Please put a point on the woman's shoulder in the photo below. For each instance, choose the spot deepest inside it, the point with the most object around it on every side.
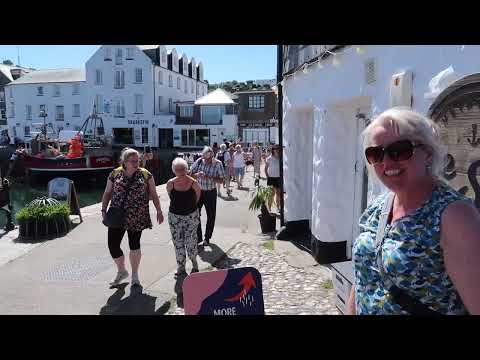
(117, 171)
(145, 173)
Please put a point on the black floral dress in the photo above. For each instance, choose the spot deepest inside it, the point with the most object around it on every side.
(137, 214)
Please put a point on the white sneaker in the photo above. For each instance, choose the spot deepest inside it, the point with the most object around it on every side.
(121, 275)
(135, 280)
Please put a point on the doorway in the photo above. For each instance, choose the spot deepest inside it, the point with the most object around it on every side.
(165, 138)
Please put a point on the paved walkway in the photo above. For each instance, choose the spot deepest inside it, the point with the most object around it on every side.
(69, 275)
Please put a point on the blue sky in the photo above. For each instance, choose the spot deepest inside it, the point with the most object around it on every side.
(221, 62)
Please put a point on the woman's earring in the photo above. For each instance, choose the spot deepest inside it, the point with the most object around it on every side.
(428, 167)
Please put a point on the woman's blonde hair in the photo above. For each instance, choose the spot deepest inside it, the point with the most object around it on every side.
(414, 126)
(127, 154)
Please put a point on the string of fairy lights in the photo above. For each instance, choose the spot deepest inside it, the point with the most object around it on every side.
(318, 62)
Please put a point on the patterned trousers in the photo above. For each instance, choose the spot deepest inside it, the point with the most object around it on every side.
(184, 236)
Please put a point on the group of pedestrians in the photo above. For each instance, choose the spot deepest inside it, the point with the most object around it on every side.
(130, 187)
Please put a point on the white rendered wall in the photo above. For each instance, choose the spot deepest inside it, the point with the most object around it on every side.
(26, 94)
(109, 93)
(323, 87)
(297, 161)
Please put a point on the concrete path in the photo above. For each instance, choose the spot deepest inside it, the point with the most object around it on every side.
(70, 275)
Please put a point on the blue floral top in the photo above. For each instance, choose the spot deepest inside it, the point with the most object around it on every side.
(411, 255)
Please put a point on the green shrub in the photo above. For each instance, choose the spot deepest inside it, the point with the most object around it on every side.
(43, 212)
(261, 196)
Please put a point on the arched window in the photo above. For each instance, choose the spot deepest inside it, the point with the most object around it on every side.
(160, 77)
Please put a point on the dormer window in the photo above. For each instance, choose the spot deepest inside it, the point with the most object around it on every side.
(118, 57)
(108, 54)
(129, 54)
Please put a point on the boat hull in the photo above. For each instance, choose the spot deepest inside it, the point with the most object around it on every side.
(91, 166)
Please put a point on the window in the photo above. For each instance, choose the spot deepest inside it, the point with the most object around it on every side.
(179, 81)
(119, 108)
(144, 135)
(12, 109)
(129, 54)
(138, 104)
(185, 86)
(56, 90)
(256, 101)
(2, 96)
(164, 57)
(170, 81)
(76, 110)
(76, 89)
(118, 56)
(212, 115)
(59, 114)
(138, 76)
(202, 137)
(160, 104)
(98, 77)
(10, 90)
(170, 106)
(160, 77)
(188, 137)
(108, 54)
(186, 111)
(41, 108)
(27, 130)
(28, 112)
(39, 90)
(119, 82)
(99, 104)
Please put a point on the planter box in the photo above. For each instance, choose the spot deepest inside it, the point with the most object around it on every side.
(43, 229)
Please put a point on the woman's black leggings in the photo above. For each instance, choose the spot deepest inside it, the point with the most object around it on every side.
(115, 237)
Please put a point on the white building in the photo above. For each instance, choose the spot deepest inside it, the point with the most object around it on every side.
(328, 96)
(135, 89)
(60, 92)
(330, 93)
(209, 119)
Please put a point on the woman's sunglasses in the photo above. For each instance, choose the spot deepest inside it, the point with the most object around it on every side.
(398, 151)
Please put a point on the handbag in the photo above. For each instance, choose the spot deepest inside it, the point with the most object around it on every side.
(115, 216)
(406, 302)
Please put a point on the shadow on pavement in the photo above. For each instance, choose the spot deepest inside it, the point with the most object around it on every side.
(137, 303)
(217, 257)
(228, 198)
(179, 291)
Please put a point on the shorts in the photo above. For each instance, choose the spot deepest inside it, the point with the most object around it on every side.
(239, 171)
(273, 181)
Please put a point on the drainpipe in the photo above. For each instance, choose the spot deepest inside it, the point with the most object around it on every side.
(280, 127)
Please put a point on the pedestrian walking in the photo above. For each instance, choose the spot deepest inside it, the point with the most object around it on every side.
(129, 187)
(272, 170)
(239, 165)
(231, 172)
(183, 215)
(418, 251)
(257, 160)
(223, 156)
(208, 171)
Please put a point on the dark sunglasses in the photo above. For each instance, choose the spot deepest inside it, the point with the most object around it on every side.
(398, 151)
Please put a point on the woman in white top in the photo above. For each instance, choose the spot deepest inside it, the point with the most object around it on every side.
(239, 165)
(272, 170)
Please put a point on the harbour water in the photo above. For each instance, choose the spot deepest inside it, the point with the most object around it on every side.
(21, 195)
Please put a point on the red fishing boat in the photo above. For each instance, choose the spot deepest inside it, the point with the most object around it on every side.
(71, 154)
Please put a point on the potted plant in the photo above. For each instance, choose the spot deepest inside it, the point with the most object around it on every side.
(261, 196)
(43, 219)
